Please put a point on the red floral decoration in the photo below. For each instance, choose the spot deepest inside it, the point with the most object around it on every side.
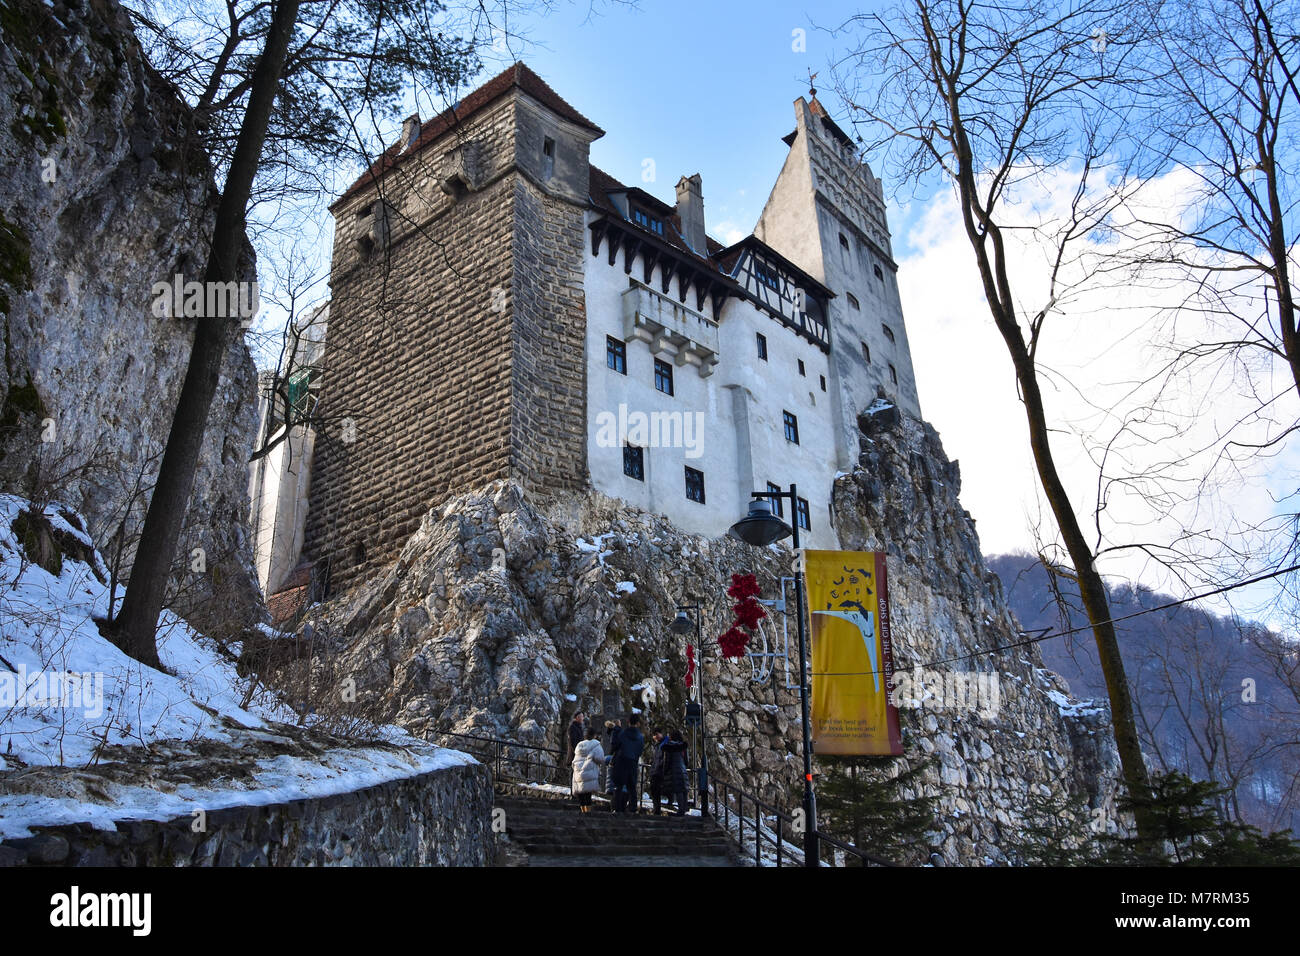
(748, 613)
(733, 643)
(744, 587)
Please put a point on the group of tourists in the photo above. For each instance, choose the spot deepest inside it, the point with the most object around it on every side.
(621, 751)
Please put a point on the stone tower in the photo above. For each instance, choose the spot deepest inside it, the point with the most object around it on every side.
(826, 213)
(457, 319)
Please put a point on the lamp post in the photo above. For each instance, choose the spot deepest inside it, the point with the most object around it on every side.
(682, 624)
(760, 528)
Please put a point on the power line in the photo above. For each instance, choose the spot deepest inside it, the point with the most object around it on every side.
(1037, 638)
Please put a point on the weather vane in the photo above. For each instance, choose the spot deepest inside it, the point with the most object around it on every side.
(812, 90)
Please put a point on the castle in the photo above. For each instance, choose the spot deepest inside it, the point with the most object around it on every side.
(500, 308)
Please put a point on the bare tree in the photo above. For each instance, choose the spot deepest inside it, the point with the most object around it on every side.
(297, 71)
(990, 99)
(1225, 109)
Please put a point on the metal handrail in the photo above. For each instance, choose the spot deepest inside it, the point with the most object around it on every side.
(494, 751)
(728, 800)
(723, 793)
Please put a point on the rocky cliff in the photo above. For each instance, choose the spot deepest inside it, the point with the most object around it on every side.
(103, 193)
(502, 620)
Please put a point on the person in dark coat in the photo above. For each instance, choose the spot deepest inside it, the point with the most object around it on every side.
(674, 751)
(627, 763)
(577, 733)
(657, 771)
(612, 730)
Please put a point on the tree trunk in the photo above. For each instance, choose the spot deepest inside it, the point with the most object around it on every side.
(1093, 591)
(136, 626)
(981, 230)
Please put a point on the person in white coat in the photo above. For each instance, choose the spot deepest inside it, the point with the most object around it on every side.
(588, 757)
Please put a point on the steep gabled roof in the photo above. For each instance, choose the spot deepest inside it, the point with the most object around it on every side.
(517, 76)
(729, 258)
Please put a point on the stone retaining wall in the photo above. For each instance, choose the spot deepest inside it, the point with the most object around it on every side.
(440, 818)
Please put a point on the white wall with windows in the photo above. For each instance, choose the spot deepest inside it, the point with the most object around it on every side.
(727, 424)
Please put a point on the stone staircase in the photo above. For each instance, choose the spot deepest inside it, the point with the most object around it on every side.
(552, 832)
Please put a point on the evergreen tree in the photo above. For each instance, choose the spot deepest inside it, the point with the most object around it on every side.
(1050, 833)
(1188, 830)
(856, 803)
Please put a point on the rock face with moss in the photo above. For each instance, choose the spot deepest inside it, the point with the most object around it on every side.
(103, 194)
(501, 620)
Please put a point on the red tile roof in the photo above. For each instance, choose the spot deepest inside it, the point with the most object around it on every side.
(517, 76)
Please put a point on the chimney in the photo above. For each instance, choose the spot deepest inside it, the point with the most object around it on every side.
(410, 130)
(690, 209)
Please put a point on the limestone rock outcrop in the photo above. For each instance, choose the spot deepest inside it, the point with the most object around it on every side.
(500, 619)
(104, 192)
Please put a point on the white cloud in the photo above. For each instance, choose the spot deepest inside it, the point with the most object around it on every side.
(728, 232)
(1099, 345)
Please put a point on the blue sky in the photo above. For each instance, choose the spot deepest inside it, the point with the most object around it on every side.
(701, 87)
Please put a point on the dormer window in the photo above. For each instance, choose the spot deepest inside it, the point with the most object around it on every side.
(647, 221)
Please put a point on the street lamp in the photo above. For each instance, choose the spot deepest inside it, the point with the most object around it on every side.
(760, 528)
(683, 625)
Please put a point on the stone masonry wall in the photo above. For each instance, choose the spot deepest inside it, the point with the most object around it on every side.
(549, 407)
(449, 638)
(418, 357)
(455, 353)
(441, 818)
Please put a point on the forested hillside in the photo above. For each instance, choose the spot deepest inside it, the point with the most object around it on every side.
(1216, 698)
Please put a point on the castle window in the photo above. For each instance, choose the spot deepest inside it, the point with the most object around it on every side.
(616, 354)
(663, 376)
(647, 221)
(776, 500)
(853, 302)
(823, 378)
(801, 369)
(634, 462)
(694, 484)
(801, 514)
(791, 427)
(844, 249)
(889, 333)
(299, 385)
(548, 158)
(762, 346)
(866, 352)
(893, 375)
(879, 275)
(767, 278)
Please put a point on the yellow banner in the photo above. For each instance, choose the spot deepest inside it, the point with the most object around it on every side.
(852, 660)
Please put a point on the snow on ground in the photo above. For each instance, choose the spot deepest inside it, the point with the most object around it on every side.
(47, 632)
(274, 780)
(69, 698)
